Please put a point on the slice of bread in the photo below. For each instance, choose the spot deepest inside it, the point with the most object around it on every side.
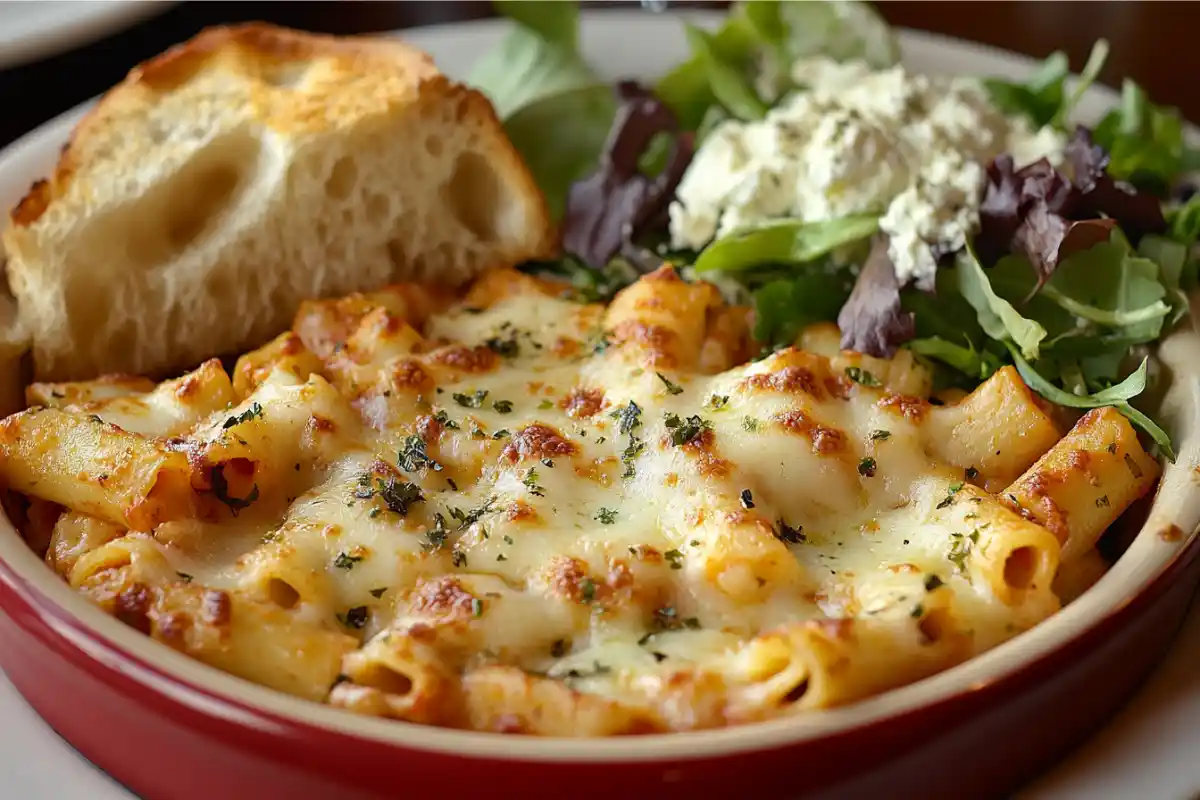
(246, 170)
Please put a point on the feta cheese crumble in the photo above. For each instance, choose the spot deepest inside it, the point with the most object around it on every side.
(854, 140)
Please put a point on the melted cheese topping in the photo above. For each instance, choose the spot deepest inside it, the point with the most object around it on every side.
(535, 504)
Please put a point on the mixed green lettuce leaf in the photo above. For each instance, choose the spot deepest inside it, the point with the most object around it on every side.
(784, 241)
(538, 82)
(1044, 97)
(1145, 142)
(1075, 271)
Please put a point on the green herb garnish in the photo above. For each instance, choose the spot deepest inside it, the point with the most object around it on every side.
(255, 410)
(672, 388)
(396, 494)
(786, 533)
(717, 402)
(684, 431)
(470, 400)
(220, 489)
(587, 591)
(862, 376)
(628, 417)
(531, 483)
(346, 561)
(413, 456)
(951, 491)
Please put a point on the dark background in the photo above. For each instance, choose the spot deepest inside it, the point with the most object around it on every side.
(1151, 41)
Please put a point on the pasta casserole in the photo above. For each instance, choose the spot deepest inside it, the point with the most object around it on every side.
(510, 510)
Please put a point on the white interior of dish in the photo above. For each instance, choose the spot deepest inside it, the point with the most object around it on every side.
(29, 31)
(621, 44)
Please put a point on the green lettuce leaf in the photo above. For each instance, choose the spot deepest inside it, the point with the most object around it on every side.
(1176, 271)
(945, 313)
(759, 30)
(1117, 396)
(784, 242)
(1038, 98)
(1183, 221)
(1144, 141)
(536, 59)
(766, 20)
(1170, 256)
(555, 21)
(590, 285)
(975, 364)
(554, 108)
(686, 89)
(580, 120)
(996, 315)
(1107, 285)
(1091, 71)
(843, 30)
(784, 307)
(1043, 99)
(1112, 300)
(1103, 370)
(1015, 280)
(1087, 343)
(730, 87)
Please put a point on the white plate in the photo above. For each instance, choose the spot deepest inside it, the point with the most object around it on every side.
(1149, 750)
(36, 29)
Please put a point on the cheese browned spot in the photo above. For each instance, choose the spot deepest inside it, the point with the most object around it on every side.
(429, 428)
(824, 440)
(656, 343)
(467, 359)
(568, 578)
(537, 441)
(443, 599)
(409, 374)
(913, 409)
(789, 380)
(132, 606)
(582, 402)
(521, 511)
(702, 447)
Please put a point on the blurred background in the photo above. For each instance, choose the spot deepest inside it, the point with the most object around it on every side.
(1149, 41)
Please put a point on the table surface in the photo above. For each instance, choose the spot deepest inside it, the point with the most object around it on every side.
(1124, 758)
(1145, 37)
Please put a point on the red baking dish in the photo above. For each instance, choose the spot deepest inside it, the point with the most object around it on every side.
(170, 727)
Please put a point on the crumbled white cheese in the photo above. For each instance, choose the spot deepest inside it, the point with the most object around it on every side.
(1028, 145)
(942, 207)
(854, 140)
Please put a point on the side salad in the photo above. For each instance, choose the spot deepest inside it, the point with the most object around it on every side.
(792, 161)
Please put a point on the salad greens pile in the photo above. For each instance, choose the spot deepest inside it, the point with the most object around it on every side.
(1074, 272)
(557, 111)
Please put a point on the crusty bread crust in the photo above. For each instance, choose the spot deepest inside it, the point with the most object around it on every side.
(241, 172)
(253, 47)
